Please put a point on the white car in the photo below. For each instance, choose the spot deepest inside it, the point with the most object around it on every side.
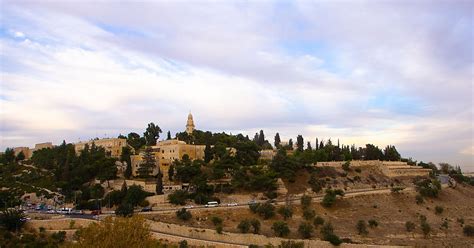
(232, 204)
(189, 206)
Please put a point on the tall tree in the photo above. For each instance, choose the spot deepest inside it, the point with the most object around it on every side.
(152, 134)
(261, 138)
(290, 144)
(207, 153)
(159, 183)
(317, 144)
(148, 163)
(391, 153)
(135, 141)
(20, 156)
(321, 145)
(277, 140)
(171, 172)
(125, 158)
(308, 146)
(299, 143)
(9, 155)
(168, 135)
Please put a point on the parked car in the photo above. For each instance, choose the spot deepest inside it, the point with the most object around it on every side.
(232, 204)
(189, 206)
(251, 202)
(211, 204)
(52, 211)
(77, 211)
(146, 209)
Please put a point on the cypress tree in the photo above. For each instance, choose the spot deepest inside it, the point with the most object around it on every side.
(277, 140)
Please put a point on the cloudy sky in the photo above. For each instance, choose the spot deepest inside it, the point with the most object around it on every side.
(382, 72)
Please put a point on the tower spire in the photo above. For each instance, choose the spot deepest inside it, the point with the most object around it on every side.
(190, 124)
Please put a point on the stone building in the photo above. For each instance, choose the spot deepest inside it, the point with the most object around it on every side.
(166, 151)
(113, 146)
(28, 152)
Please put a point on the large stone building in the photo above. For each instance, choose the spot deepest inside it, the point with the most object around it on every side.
(28, 152)
(113, 146)
(166, 151)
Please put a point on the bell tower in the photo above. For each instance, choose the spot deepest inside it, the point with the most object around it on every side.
(190, 124)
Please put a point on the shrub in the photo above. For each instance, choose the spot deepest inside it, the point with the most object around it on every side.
(439, 210)
(216, 220)
(468, 230)
(244, 226)
(59, 236)
(358, 170)
(266, 210)
(183, 214)
(318, 221)
(428, 187)
(183, 244)
(397, 189)
(460, 221)
(306, 201)
(346, 166)
(285, 211)
(255, 225)
(309, 214)
(419, 199)
(373, 223)
(306, 230)
(409, 226)
(12, 219)
(178, 197)
(291, 244)
(280, 228)
(124, 210)
(361, 227)
(219, 229)
(327, 232)
(426, 228)
(253, 207)
(330, 197)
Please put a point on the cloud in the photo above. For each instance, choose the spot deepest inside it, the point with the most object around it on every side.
(383, 73)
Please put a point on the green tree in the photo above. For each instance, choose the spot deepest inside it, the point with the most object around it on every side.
(299, 143)
(135, 141)
(149, 162)
(152, 134)
(255, 225)
(330, 197)
(12, 219)
(20, 156)
(178, 197)
(244, 226)
(327, 232)
(208, 153)
(285, 211)
(410, 226)
(125, 157)
(318, 221)
(168, 136)
(277, 140)
(159, 183)
(171, 172)
(9, 155)
(183, 214)
(124, 210)
(362, 227)
(391, 154)
(306, 201)
(280, 228)
(306, 230)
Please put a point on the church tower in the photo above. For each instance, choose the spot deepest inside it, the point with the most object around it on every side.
(190, 124)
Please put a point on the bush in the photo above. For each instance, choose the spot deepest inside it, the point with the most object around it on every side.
(12, 219)
(346, 166)
(306, 201)
(445, 225)
(266, 210)
(410, 226)
(439, 210)
(253, 207)
(244, 226)
(428, 187)
(255, 225)
(425, 228)
(285, 211)
(373, 223)
(306, 230)
(468, 230)
(309, 214)
(183, 214)
(216, 221)
(362, 227)
(397, 189)
(291, 244)
(419, 199)
(358, 170)
(327, 232)
(280, 228)
(330, 197)
(219, 229)
(318, 221)
(183, 244)
(460, 221)
(124, 210)
(178, 197)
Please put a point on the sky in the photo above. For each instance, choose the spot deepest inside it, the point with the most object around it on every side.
(383, 72)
